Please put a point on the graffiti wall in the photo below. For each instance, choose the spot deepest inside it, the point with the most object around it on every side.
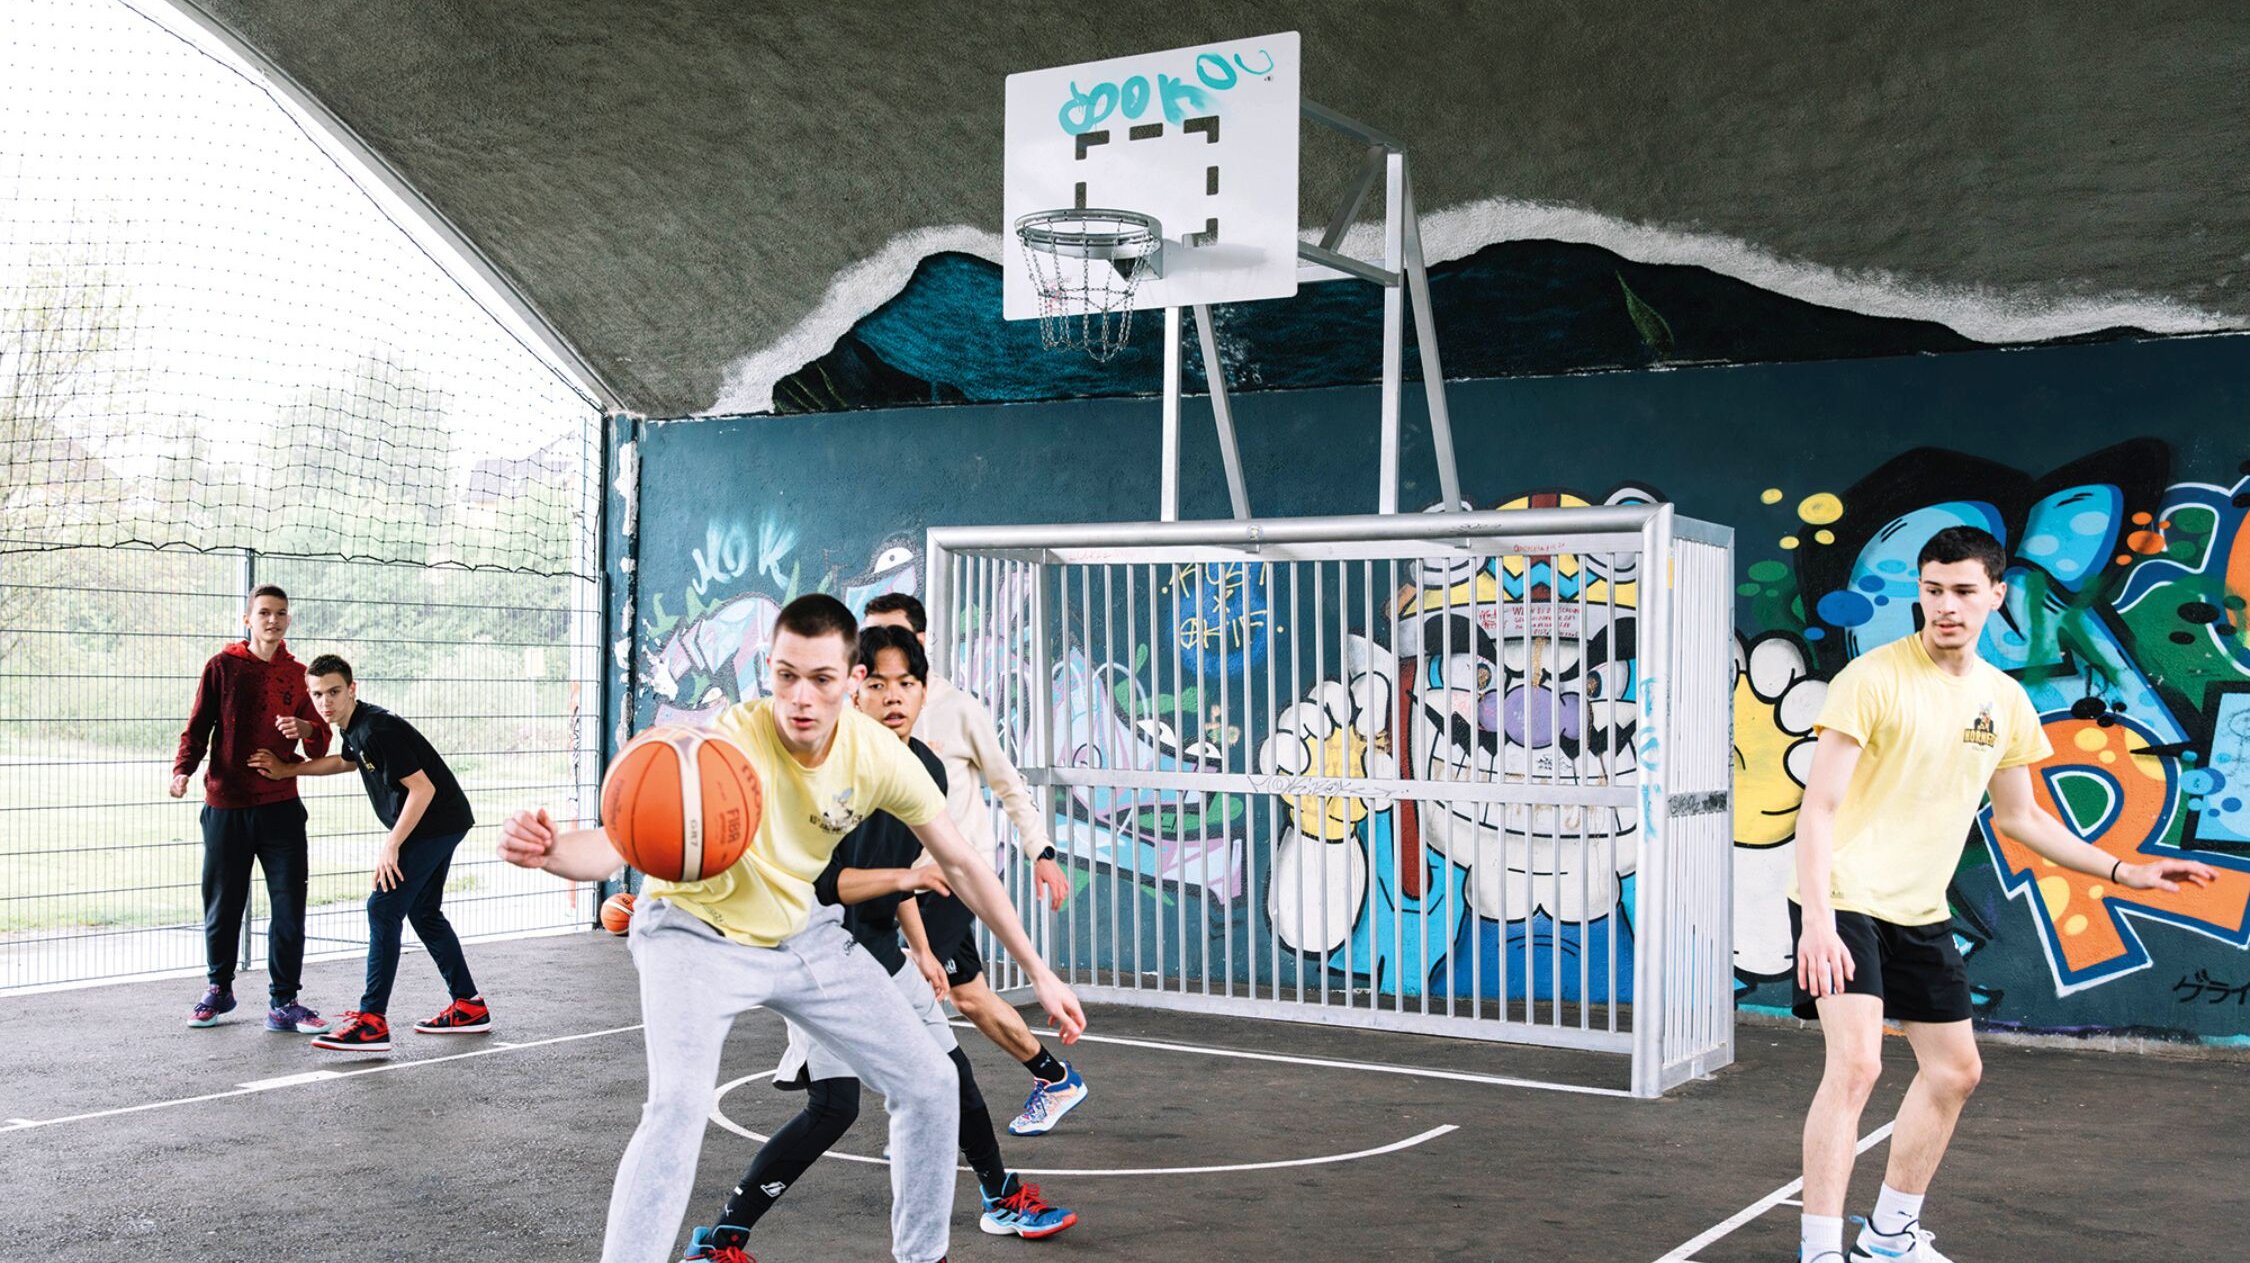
(2116, 474)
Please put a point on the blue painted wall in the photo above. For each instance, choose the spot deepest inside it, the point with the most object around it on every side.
(2117, 472)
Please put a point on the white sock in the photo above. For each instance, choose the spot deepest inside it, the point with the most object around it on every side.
(1895, 1212)
(1820, 1234)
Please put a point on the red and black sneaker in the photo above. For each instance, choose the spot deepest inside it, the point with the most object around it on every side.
(358, 1032)
(462, 1017)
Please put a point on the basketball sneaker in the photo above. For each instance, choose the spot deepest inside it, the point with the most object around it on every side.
(1020, 1211)
(462, 1017)
(723, 1244)
(358, 1032)
(216, 1001)
(295, 1019)
(1910, 1246)
(1048, 1103)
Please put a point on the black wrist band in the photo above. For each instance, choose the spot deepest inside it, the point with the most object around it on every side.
(2120, 863)
(1046, 853)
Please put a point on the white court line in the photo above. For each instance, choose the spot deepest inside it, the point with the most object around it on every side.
(1686, 1253)
(291, 1080)
(294, 1080)
(719, 1116)
(1373, 1067)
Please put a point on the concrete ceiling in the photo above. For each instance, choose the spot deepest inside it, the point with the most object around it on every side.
(701, 194)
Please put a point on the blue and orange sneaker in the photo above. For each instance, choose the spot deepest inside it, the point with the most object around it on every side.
(462, 1017)
(1048, 1103)
(295, 1019)
(216, 1001)
(723, 1244)
(357, 1032)
(1020, 1211)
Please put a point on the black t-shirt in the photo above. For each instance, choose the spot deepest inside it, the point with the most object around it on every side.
(388, 750)
(882, 841)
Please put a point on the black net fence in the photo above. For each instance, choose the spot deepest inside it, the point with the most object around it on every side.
(229, 355)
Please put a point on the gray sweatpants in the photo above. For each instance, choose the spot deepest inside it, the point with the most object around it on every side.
(693, 983)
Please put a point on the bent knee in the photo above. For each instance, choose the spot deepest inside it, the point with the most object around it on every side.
(1855, 1075)
(1957, 1077)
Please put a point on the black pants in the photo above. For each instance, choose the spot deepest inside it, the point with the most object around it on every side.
(422, 865)
(831, 1107)
(273, 835)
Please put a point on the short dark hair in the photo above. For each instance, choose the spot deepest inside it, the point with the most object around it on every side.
(817, 614)
(905, 603)
(1965, 543)
(266, 589)
(874, 640)
(330, 664)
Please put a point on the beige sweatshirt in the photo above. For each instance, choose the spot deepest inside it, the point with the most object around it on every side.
(959, 730)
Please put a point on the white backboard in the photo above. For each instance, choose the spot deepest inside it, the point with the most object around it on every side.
(1204, 138)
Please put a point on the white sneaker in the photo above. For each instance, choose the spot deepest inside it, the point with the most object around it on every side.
(1910, 1246)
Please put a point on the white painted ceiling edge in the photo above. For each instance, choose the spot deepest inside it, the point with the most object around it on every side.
(1984, 313)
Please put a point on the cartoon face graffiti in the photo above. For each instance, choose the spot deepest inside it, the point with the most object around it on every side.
(1521, 670)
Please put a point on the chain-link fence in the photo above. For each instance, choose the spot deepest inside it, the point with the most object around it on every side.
(231, 354)
(100, 867)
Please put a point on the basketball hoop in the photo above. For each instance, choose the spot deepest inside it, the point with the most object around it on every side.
(1085, 265)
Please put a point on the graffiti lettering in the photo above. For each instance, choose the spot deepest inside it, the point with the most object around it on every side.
(1180, 99)
(2220, 991)
(1219, 615)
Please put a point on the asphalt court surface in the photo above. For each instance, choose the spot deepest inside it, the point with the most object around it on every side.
(1202, 1137)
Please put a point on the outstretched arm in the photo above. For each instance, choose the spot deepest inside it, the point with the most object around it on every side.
(918, 947)
(529, 839)
(274, 768)
(979, 888)
(858, 885)
(2016, 813)
(999, 771)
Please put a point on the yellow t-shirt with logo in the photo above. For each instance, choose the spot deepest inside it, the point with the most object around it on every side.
(1930, 743)
(765, 896)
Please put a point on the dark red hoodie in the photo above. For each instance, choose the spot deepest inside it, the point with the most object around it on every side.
(236, 703)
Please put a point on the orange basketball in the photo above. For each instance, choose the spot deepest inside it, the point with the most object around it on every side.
(617, 912)
(675, 827)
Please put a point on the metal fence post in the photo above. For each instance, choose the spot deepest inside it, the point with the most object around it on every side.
(249, 581)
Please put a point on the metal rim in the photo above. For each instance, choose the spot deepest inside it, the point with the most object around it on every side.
(1070, 232)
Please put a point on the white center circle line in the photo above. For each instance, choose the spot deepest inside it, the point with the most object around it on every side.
(719, 1116)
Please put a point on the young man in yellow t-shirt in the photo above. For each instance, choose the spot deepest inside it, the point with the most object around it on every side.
(752, 936)
(1912, 738)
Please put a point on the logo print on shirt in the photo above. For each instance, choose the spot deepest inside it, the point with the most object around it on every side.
(838, 816)
(1980, 731)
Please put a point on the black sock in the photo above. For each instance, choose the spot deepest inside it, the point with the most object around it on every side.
(980, 1144)
(831, 1106)
(1045, 1068)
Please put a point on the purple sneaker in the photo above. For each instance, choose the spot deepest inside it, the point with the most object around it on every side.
(215, 1001)
(295, 1019)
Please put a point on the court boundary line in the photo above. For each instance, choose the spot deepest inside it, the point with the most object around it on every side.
(1372, 1067)
(303, 1079)
(1685, 1252)
(324, 1075)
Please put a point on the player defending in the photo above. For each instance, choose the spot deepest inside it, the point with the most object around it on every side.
(252, 698)
(873, 876)
(751, 936)
(1912, 736)
(417, 799)
(959, 730)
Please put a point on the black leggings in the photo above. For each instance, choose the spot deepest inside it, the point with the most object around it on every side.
(831, 1107)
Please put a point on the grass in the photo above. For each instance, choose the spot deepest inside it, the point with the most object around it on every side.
(97, 842)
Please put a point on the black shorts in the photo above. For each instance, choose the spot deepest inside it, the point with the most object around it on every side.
(1916, 969)
(953, 937)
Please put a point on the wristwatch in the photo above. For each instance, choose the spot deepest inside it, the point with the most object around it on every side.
(1045, 853)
